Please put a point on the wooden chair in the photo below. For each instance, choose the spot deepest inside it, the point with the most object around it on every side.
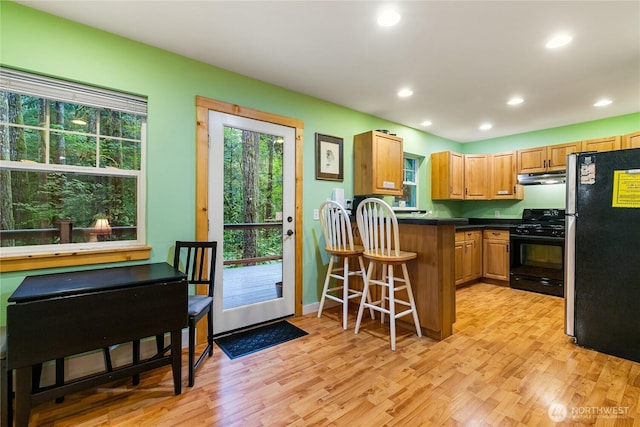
(338, 236)
(6, 382)
(378, 227)
(198, 261)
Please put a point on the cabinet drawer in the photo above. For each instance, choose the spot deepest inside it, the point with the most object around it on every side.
(496, 234)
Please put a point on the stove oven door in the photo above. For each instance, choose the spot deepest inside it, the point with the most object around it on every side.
(537, 264)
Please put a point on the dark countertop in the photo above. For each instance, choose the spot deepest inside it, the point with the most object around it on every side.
(493, 223)
(424, 220)
(459, 223)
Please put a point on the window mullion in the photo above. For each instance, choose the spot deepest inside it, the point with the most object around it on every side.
(47, 131)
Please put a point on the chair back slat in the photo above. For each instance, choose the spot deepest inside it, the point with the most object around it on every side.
(378, 227)
(336, 226)
(198, 261)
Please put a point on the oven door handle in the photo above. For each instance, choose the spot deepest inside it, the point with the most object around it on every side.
(537, 238)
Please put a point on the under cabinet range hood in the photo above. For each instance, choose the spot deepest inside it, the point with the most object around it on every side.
(559, 177)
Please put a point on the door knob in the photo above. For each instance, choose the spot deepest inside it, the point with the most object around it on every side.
(289, 232)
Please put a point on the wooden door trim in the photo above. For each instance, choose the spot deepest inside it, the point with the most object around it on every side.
(203, 106)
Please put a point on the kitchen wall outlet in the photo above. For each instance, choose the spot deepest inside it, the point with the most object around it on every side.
(497, 214)
(316, 214)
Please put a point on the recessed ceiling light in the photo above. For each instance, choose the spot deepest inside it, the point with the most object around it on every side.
(388, 18)
(602, 103)
(559, 41)
(426, 123)
(403, 93)
(486, 126)
(515, 100)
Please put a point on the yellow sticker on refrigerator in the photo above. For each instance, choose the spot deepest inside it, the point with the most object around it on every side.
(626, 189)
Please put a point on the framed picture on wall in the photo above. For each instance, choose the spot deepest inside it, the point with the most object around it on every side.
(329, 160)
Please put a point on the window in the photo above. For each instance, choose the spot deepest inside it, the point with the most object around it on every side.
(409, 198)
(71, 166)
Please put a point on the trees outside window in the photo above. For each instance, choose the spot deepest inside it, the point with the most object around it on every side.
(66, 167)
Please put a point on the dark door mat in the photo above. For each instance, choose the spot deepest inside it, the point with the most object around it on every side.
(253, 340)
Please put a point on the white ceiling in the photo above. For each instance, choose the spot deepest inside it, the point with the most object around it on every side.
(462, 59)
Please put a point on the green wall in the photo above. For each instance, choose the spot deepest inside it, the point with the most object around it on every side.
(37, 42)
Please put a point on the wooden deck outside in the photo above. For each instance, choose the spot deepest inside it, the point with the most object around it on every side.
(250, 284)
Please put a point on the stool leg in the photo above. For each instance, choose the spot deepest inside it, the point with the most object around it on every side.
(363, 272)
(365, 292)
(345, 291)
(392, 308)
(326, 285)
(383, 290)
(411, 300)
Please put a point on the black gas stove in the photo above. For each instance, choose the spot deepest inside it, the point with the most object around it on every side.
(537, 252)
(542, 223)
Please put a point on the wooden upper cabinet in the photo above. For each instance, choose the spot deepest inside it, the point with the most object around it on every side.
(532, 160)
(557, 155)
(378, 163)
(546, 159)
(447, 176)
(504, 180)
(602, 144)
(476, 176)
(631, 140)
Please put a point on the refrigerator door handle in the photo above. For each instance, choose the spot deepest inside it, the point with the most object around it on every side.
(570, 247)
(569, 276)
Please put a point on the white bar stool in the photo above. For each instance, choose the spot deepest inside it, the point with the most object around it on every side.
(338, 235)
(378, 228)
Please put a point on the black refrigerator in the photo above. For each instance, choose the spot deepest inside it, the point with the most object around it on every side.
(602, 252)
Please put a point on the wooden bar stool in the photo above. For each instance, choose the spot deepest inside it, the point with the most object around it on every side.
(378, 228)
(338, 235)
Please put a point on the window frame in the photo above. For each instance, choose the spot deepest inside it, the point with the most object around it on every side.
(415, 184)
(70, 254)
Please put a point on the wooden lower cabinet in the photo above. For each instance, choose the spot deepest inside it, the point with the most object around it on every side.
(468, 256)
(496, 254)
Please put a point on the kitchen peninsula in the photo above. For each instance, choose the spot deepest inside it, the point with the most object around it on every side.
(432, 273)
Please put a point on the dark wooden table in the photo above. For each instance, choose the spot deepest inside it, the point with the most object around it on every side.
(57, 315)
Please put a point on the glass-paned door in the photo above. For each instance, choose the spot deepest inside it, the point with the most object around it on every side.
(252, 204)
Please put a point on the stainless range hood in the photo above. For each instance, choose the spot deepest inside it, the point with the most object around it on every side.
(559, 177)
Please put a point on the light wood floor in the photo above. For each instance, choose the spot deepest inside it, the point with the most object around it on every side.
(506, 365)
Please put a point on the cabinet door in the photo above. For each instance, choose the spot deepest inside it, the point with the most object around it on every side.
(378, 161)
(532, 160)
(631, 140)
(476, 174)
(602, 144)
(456, 176)
(557, 155)
(447, 176)
(503, 177)
(467, 266)
(496, 254)
(388, 158)
(476, 254)
(459, 263)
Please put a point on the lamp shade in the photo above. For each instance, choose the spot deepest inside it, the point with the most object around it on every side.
(102, 226)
